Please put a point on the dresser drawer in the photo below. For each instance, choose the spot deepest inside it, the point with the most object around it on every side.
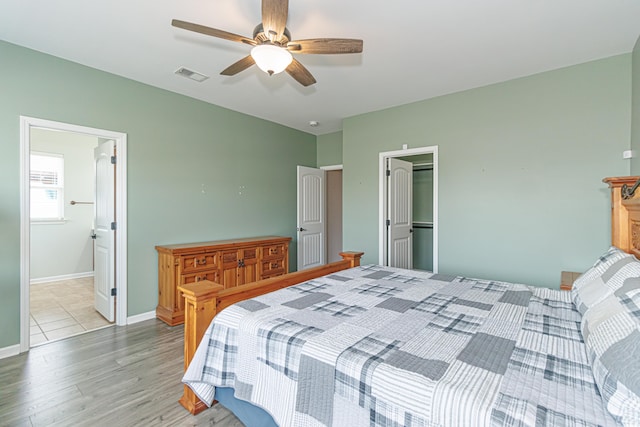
(273, 251)
(249, 254)
(212, 275)
(272, 267)
(235, 256)
(199, 262)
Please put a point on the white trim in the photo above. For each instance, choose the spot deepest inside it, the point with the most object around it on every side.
(49, 221)
(331, 168)
(382, 198)
(61, 277)
(12, 350)
(141, 317)
(25, 229)
(26, 123)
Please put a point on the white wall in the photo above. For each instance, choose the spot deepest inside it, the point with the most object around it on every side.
(66, 249)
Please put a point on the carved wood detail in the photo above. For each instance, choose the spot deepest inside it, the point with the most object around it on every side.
(635, 234)
(620, 212)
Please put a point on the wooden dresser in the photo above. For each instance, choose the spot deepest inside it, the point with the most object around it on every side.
(227, 262)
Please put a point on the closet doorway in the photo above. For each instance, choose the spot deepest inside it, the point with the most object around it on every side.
(409, 208)
(59, 176)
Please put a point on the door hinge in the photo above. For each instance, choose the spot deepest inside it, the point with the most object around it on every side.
(388, 222)
(114, 291)
(114, 226)
(388, 172)
(113, 160)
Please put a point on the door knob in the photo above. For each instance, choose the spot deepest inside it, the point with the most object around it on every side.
(302, 229)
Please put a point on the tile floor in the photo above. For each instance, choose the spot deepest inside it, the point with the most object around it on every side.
(62, 309)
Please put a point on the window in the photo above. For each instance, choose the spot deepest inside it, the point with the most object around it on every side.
(47, 186)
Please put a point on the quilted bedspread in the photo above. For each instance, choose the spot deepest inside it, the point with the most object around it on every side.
(379, 346)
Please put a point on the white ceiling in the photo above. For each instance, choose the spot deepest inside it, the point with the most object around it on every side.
(413, 49)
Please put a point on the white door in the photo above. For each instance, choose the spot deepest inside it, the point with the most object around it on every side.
(104, 265)
(400, 213)
(311, 218)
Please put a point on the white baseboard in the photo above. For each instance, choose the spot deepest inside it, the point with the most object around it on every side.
(62, 277)
(141, 317)
(12, 350)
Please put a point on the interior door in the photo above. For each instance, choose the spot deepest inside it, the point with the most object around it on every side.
(311, 217)
(400, 213)
(104, 235)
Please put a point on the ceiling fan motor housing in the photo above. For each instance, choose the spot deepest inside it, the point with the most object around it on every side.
(261, 37)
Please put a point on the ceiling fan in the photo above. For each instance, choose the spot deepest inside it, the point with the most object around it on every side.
(273, 45)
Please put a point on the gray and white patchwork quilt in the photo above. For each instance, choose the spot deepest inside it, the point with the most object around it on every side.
(379, 346)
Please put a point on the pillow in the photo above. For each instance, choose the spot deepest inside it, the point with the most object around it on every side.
(609, 294)
(601, 279)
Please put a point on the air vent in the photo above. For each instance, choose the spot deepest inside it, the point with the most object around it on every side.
(185, 72)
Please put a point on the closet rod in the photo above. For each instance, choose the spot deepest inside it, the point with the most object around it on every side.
(422, 166)
(422, 224)
(73, 202)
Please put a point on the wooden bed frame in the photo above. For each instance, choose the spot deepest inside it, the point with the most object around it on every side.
(204, 299)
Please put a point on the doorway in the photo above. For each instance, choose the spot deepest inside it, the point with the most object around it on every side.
(61, 257)
(426, 225)
(74, 210)
(334, 212)
(319, 215)
(422, 212)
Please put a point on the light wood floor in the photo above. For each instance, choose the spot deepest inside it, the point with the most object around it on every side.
(117, 376)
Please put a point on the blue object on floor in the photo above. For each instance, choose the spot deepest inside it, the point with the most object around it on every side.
(249, 414)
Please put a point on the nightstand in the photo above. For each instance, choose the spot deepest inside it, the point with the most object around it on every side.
(566, 280)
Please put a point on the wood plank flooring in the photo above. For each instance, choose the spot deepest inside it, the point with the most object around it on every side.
(116, 376)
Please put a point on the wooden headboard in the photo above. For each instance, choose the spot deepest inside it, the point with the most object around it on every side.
(625, 215)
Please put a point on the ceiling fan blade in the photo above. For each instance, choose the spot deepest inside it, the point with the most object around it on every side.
(300, 73)
(236, 67)
(212, 32)
(274, 18)
(325, 46)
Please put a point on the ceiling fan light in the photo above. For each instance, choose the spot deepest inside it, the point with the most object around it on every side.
(271, 59)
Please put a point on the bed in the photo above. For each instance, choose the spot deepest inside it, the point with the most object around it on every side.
(379, 346)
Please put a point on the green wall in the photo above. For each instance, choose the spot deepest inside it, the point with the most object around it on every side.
(195, 171)
(329, 151)
(635, 109)
(520, 170)
(521, 165)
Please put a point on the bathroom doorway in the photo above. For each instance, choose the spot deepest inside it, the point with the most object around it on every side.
(58, 211)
